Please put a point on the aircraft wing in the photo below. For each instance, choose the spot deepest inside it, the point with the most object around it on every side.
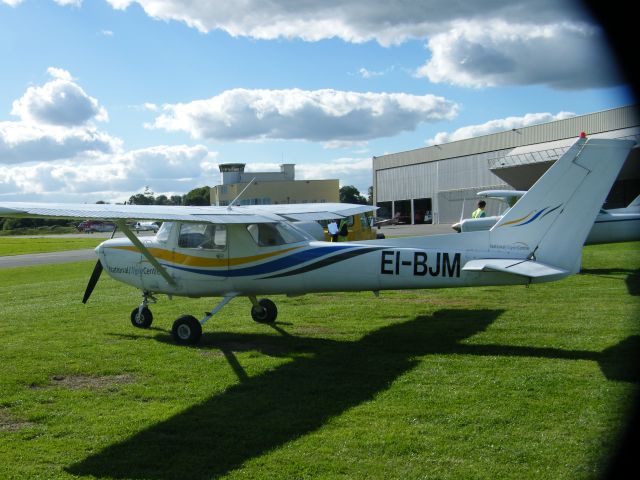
(134, 212)
(314, 211)
(212, 214)
(501, 194)
(524, 268)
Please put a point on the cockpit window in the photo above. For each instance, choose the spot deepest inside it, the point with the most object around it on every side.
(207, 236)
(273, 234)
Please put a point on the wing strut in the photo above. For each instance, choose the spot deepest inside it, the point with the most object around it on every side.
(147, 254)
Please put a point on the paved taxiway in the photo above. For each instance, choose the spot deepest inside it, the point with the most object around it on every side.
(56, 257)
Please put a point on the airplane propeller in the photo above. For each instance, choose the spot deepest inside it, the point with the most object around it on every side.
(95, 275)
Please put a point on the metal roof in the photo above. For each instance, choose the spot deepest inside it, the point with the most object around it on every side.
(593, 123)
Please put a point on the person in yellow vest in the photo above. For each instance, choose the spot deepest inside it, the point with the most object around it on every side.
(343, 230)
(479, 212)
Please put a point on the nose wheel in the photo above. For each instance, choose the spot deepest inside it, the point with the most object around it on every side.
(141, 317)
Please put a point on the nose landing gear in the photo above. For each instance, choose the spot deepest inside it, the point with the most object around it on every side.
(141, 317)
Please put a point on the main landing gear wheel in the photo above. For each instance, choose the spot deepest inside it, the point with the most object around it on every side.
(266, 312)
(186, 330)
(141, 318)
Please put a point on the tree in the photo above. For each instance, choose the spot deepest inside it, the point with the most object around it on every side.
(162, 200)
(141, 199)
(350, 194)
(197, 196)
(370, 195)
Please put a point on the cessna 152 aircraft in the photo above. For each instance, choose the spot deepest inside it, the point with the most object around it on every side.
(257, 250)
(610, 226)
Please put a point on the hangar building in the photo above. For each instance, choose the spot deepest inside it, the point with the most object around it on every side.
(439, 182)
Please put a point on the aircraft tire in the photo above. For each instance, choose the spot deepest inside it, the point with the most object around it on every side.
(267, 314)
(186, 330)
(142, 320)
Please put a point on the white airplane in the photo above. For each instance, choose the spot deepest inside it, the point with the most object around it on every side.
(146, 226)
(610, 226)
(252, 251)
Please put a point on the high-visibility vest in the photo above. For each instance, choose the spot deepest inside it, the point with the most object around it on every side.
(478, 213)
(343, 224)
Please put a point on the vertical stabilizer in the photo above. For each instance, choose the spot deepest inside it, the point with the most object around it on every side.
(552, 220)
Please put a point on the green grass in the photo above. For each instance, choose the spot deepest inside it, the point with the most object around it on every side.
(495, 382)
(20, 246)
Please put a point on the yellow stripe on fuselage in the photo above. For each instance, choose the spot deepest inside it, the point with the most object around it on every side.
(193, 261)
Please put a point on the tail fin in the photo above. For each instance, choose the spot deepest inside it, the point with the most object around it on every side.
(552, 220)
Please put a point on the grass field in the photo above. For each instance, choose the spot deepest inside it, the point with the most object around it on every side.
(482, 383)
(20, 246)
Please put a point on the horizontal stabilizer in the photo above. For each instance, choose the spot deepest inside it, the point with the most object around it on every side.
(524, 268)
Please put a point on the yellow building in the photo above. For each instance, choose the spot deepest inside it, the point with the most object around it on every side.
(269, 188)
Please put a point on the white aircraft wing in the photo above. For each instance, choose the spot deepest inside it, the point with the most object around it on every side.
(212, 214)
(501, 194)
(134, 212)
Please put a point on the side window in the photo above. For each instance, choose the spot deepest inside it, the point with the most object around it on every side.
(265, 234)
(206, 236)
(273, 234)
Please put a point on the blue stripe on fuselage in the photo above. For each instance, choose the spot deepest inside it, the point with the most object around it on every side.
(272, 266)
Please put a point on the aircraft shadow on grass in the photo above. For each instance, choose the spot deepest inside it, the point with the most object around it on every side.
(266, 411)
(632, 278)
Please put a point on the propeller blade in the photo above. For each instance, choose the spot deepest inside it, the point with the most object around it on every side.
(97, 270)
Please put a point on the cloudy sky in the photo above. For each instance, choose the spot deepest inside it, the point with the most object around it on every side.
(103, 98)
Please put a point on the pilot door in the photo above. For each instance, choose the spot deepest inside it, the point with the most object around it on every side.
(201, 257)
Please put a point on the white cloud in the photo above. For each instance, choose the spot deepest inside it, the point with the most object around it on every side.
(55, 151)
(56, 123)
(67, 3)
(169, 170)
(58, 102)
(473, 44)
(354, 21)
(498, 125)
(27, 142)
(350, 171)
(319, 115)
(488, 54)
(365, 73)
(11, 3)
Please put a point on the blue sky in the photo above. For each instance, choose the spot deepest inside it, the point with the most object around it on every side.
(101, 99)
